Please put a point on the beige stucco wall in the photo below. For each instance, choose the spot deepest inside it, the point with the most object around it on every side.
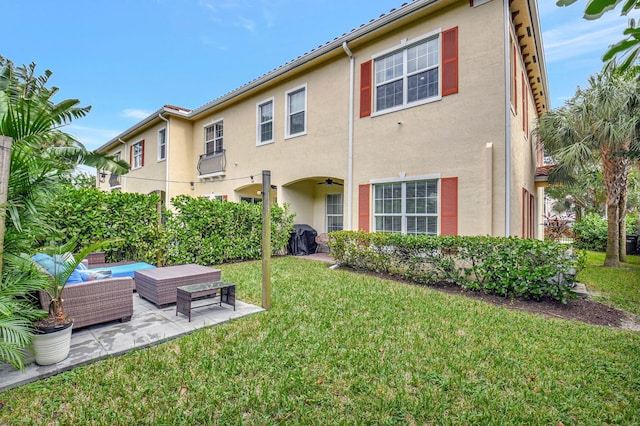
(461, 135)
(523, 150)
(182, 157)
(149, 178)
(446, 137)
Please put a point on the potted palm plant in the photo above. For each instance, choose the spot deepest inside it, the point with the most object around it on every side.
(51, 341)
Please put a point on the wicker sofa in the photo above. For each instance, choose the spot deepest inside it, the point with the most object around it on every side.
(97, 301)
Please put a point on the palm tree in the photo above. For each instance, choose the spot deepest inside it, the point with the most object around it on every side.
(42, 155)
(600, 122)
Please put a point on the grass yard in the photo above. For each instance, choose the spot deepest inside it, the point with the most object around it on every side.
(618, 287)
(346, 348)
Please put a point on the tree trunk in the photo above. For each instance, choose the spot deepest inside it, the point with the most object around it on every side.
(614, 176)
(622, 227)
(612, 257)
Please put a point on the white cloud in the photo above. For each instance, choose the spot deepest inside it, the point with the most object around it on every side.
(138, 114)
(92, 138)
(246, 23)
(574, 38)
(239, 13)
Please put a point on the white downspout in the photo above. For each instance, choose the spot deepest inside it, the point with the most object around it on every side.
(124, 157)
(350, 144)
(507, 121)
(166, 157)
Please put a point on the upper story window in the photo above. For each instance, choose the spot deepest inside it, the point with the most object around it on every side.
(137, 155)
(213, 136)
(162, 144)
(265, 122)
(409, 75)
(296, 111)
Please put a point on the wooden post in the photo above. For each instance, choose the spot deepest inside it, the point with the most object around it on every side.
(159, 252)
(266, 239)
(5, 165)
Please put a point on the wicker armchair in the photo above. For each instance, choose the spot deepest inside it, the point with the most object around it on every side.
(97, 301)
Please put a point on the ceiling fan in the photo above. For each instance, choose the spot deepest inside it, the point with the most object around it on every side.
(329, 181)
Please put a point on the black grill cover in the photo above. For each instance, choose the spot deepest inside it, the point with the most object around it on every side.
(302, 241)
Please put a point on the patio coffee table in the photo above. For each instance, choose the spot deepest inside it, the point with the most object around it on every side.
(159, 285)
(224, 292)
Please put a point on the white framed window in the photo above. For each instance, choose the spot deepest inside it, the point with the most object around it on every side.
(162, 144)
(408, 75)
(137, 155)
(251, 200)
(265, 122)
(409, 207)
(213, 138)
(296, 112)
(334, 212)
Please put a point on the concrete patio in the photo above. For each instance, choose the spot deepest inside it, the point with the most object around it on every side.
(148, 326)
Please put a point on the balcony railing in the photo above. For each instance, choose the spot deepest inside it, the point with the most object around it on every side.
(114, 181)
(212, 163)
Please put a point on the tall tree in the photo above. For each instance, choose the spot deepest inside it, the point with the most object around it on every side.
(41, 156)
(629, 46)
(599, 122)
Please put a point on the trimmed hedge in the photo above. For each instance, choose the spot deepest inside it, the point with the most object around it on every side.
(91, 215)
(526, 268)
(200, 231)
(211, 231)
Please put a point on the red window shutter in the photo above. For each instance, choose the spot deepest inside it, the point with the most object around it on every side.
(142, 159)
(449, 206)
(131, 156)
(450, 61)
(526, 117)
(531, 214)
(524, 104)
(524, 213)
(365, 89)
(225, 197)
(364, 205)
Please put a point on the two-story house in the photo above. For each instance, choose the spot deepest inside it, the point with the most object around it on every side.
(416, 122)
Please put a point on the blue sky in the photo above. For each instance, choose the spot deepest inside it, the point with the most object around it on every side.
(128, 59)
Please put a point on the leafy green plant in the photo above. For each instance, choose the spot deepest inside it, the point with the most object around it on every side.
(591, 231)
(88, 214)
(42, 155)
(64, 266)
(213, 231)
(516, 267)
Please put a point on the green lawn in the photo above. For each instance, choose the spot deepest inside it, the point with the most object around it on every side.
(618, 287)
(346, 348)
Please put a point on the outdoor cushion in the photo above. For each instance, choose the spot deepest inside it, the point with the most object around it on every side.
(124, 270)
(55, 264)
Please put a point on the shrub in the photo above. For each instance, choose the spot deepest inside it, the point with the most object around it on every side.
(200, 231)
(90, 215)
(211, 231)
(591, 231)
(530, 269)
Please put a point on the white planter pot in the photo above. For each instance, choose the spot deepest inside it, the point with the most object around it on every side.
(53, 346)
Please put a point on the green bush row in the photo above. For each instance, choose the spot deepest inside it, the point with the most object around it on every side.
(199, 231)
(591, 231)
(526, 268)
(90, 216)
(209, 232)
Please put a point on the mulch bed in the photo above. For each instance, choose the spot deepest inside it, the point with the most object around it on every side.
(587, 311)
